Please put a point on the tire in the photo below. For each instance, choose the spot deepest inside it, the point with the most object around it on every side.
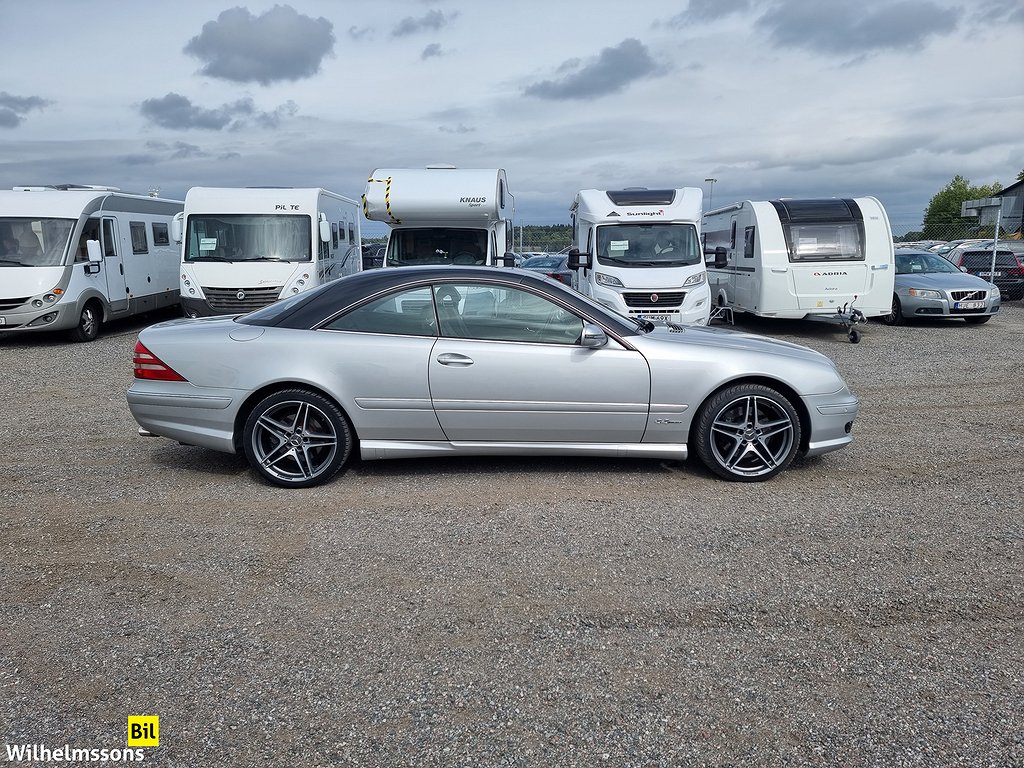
(89, 323)
(296, 438)
(854, 336)
(895, 316)
(977, 320)
(747, 433)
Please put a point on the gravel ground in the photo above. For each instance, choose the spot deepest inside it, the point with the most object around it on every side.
(862, 609)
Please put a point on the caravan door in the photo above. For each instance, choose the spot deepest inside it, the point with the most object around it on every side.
(113, 265)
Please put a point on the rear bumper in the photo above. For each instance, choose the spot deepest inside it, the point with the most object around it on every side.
(188, 414)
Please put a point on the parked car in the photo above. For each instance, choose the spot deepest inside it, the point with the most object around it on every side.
(373, 255)
(448, 361)
(929, 286)
(1009, 272)
(555, 267)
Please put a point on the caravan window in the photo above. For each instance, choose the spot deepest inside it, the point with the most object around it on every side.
(437, 245)
(139, 242)
(825, 242)
(334, 235)
(160, 234)
(248, 237)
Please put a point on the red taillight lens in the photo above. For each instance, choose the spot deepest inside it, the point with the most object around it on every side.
(556, 276)
(149, 366)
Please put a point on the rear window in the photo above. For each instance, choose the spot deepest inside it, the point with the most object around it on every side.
(982, 260)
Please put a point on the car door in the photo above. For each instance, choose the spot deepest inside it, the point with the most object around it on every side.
(508, 367)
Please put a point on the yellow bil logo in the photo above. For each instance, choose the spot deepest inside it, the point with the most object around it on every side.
(143, 731)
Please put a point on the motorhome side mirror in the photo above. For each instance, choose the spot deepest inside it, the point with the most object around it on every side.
(593, 336)
(177, 227)
(92, 247)
(325, 231)
(578, 260)
(721, 257)
(508, 260)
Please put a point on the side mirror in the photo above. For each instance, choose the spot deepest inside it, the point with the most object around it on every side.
(593, 336)
(508, 260)
(325, 231)
(177, 227)
(95, 257)
(963, 269)
(721, 257)
(578, 260)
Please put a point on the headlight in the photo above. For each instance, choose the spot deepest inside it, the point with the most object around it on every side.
(697, 279)
(923, 294)
(603, 279)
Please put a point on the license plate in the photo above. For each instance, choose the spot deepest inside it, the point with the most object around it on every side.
(655, 317)
(969, 305)
(990, 274)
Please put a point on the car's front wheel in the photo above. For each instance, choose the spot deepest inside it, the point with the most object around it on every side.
(895, 316)
(747, 432)
(296, 438)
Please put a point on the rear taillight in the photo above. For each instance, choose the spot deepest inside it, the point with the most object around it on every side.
(556, 276)
(149, 366)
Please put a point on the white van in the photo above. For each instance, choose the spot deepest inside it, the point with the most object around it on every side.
(73, 257)
(637, 251)
(442, 215)
(828, 259)
(245, 248)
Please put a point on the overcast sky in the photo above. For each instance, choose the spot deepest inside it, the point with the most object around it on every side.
(773, 98)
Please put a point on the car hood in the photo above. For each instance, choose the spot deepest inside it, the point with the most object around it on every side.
(740, 341)
(942, 281)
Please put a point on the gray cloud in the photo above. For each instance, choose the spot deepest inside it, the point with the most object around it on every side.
(433, 21)
(1010, 11)
(358, 33)
(610, 71)
(703, 11)
(432, 51)
(178, 112)
(178, 150)
(279, 45)
(840, 28)
(14, 108)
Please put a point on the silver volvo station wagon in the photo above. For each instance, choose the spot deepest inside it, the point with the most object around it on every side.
(446, 361)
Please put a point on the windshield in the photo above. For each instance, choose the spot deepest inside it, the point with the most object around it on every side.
(543, 262)
(922, 263)
(248, 237)
(825, 242)
(648, 245)
(437, 245)
(30, 242)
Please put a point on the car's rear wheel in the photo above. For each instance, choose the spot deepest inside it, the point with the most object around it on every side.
(895, 316)
(977, 320)
(296, 438)
(747, 432)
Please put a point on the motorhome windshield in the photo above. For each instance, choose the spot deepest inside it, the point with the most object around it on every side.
(248, 237)
(825, 242)
(437, 245)
(31, 242)
(648, 245)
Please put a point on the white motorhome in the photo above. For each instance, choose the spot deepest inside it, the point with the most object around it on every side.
(637, 251)
(442, 215)
(245, 248)
(826, 258)
(73, 257)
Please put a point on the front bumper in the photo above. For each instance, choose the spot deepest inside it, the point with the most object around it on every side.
(831, 421)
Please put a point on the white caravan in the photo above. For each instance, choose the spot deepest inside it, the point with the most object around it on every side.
(637, 251)
(442, 215)
(73, 257)
(828, 259)
(245, 248)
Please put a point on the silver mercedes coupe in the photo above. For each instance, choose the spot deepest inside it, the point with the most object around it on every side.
(448, 361)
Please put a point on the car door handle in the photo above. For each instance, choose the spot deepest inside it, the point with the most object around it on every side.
(450, 358)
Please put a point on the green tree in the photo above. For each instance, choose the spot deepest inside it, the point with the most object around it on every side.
(942, 219)
(1020, 176)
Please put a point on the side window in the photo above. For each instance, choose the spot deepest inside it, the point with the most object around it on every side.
(732, 235)
(90, 232)
(139, 242)
(409, 313)
(499, 313)
(109, 241)
(160, 234)
(352, 233)
(334, 235)
(748, 243)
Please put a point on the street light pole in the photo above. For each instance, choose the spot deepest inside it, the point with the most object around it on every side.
(711, 189)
